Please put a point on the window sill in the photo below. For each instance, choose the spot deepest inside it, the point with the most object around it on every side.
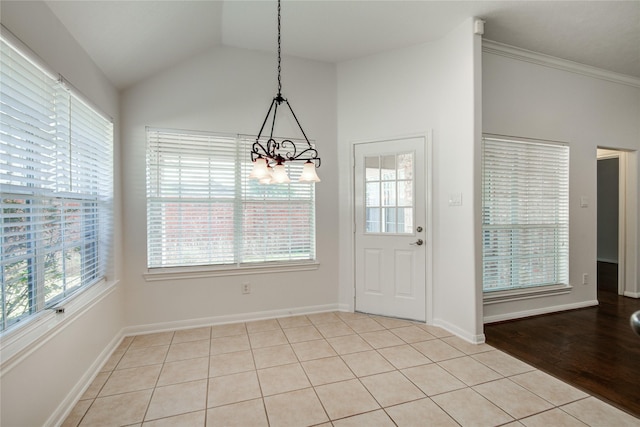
(522, 294)
(22, 339)
(179, 273)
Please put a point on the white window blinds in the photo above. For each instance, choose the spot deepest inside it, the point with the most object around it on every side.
(525, 213)
(55, 189)
(203, 210)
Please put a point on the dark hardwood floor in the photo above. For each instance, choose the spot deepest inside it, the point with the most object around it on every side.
(594, 349)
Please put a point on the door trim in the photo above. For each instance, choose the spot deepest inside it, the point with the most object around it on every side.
(428, 221)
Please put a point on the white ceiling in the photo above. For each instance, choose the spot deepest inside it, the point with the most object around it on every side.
(131, 40)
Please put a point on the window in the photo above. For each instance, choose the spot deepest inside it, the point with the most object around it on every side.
(202, 209)
(55, 189)
(525, 213)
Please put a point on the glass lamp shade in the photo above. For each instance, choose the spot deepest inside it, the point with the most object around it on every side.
(268, 179)
(260, 169)
(280, 175)
(309, 173)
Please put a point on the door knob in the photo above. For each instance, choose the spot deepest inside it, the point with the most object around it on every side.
(418, 242)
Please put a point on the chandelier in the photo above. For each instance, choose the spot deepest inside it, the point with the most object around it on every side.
(269, 157)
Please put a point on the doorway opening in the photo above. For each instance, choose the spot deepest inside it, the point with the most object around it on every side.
(608, 224)
(616, 221)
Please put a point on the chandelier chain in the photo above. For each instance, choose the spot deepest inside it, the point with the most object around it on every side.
(279, 53)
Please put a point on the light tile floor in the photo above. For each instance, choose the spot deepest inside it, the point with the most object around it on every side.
(327, 369)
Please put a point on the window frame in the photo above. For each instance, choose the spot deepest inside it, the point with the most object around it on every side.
(242, 195)
(73, 111)
(561, 283)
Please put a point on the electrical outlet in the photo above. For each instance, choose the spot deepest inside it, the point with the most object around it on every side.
(585, 279)
(246, 288)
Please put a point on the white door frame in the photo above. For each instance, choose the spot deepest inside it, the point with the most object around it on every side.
(428, 221)
(627, 218)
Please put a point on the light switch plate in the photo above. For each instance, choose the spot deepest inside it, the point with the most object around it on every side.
(455, 199)
(584, 201)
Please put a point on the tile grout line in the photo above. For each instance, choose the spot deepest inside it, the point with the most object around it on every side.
(153, 391)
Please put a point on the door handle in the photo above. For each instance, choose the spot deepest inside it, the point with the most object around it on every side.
(418, 242)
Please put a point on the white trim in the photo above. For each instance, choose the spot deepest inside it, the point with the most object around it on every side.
(473, 339)
(538, 311)
(508, 51)
(497, 297)
(631, 255)
(16, 345)
(179, 273)
(622, 221)
(225, 319)
(66, 406)
(606, 153)
(632, 294)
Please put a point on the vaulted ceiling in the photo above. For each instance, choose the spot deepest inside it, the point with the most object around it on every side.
(131, 40)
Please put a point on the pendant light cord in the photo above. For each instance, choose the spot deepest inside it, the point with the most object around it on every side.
(279, 53)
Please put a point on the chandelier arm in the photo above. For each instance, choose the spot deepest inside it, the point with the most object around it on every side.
(299, 155)
(265, 119)
(288, 155)
(275, 114)
(299, 125)
(255, 151)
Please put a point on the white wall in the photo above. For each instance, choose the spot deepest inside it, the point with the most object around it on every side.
(458, 284)
(526, 99)
(42, 381)
(228, 90)
(433, 86)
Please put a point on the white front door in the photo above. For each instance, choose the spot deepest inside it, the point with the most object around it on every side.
(390, 220)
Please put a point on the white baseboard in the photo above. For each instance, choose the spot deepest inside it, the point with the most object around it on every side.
(345, 307)
(632, 294)
(66, 406)
(231, 318)
(473, 339)
(538, 311)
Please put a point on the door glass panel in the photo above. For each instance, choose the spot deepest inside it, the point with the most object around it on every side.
(405, 220)
(373, 194)
(373, 220)
(372, 168)
(389, 220)
(388, 167)
(405, 166)
(405, 193)
(389, 193)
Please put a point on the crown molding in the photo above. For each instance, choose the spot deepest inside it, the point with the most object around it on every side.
(490, 46)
